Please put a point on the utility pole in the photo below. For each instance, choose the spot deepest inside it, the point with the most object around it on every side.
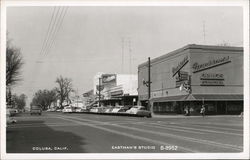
(99, 94)
(149, 83)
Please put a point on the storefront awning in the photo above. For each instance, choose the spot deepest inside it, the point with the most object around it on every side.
(112, 99)
(171, 98)
(200, 97)
(219, 97)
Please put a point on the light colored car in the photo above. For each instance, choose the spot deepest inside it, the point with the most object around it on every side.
(108, 109)
(67, 109)
(119, 109)
(59, 110)
(51, 110)
(9, 119)
(140, 111)
(12, 111)
(94, 110)
(79, 109)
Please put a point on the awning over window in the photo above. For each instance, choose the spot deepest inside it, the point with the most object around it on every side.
(200, 97)
(220, 97)
(171, 98)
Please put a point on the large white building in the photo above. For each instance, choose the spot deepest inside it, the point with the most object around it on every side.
(116, 88)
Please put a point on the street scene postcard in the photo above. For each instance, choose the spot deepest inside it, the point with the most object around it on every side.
(125, 80)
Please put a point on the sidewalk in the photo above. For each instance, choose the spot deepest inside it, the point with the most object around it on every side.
(192, 116)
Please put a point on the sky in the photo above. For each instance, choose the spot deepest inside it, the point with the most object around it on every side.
(93, 39)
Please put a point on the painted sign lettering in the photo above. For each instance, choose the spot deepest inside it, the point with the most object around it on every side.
(210, 64)
(212, 83)
(175, 70)
(212, 76)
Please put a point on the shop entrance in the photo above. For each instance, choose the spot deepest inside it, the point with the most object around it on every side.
(221, 107)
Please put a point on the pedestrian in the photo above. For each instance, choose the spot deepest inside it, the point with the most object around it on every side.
(203, 109)
(186, 110)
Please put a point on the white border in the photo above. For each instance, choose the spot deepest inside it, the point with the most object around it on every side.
(243, 155)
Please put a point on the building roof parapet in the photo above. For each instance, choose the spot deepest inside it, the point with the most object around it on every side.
(193, 46)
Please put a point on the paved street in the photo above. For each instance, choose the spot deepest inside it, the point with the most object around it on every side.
(89, 133)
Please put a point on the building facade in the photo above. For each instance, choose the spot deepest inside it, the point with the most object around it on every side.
(192, 76)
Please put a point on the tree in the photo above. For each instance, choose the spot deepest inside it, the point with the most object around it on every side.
(64, 89)
(19, 101)
(14, 63)
(44, 98)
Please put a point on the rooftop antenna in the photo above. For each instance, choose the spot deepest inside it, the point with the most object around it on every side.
(122, 54)
(204, 31)
(130, 50)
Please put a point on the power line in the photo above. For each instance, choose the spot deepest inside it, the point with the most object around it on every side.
(63, 13)
(47, 33)
(48, 36)
(52, 31)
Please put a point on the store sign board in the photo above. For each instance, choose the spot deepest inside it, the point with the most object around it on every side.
(108, 78)
(181, 76)
(117, 93)
(179, 83)
(210, 64)
(212, 76)
(212, 83)
(180, 65)
(212, 79)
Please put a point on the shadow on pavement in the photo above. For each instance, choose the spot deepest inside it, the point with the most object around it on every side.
(39, 138)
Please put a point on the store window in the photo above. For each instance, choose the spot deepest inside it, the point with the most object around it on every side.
(235, 107)
(164, 107)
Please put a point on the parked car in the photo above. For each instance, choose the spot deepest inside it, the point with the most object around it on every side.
(9, 120)
(59, 110)
(51, 110)
(79, 109)
(35, 110)
(108, 109)
(140, 111)
(119, 109)
(94, 110)
(67, 109)
(12, 111)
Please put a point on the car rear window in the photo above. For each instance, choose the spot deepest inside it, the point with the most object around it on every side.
(35, 107)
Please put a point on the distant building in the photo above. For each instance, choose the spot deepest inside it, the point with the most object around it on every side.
(88, 97)
(192, 76)
(116, 89)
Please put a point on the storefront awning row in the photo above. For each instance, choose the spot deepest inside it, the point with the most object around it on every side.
(200, 97)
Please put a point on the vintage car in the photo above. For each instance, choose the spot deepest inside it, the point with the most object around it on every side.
(9, 119)
(140, 111)
(35, 110)
(79, 109)
(67, 109)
